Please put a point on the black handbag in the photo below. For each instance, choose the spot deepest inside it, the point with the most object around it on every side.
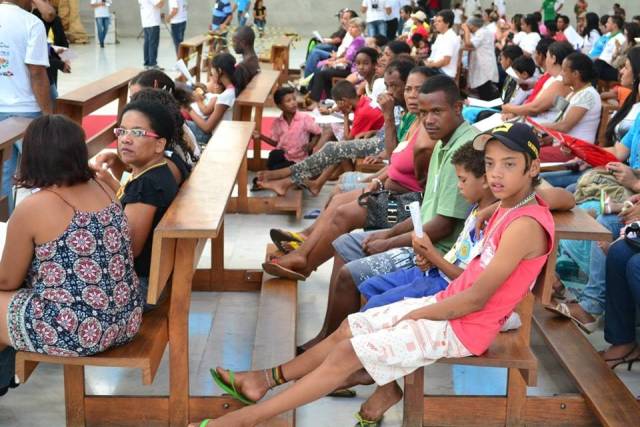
(385, 209)
(632, 235)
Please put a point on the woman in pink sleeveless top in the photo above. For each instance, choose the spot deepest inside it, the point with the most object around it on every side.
(386, 343)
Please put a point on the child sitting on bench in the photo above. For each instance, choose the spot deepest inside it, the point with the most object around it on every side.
(386, 343)
(293, 134)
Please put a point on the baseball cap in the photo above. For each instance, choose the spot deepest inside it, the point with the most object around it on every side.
(515, 136)
(420, 16)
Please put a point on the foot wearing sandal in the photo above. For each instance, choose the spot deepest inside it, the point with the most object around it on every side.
(295, 262)
(372, 411)
(251, 384)
(275, 268)
(623, 354)
(574, 311)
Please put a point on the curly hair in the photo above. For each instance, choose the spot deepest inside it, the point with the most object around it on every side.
(470, 159)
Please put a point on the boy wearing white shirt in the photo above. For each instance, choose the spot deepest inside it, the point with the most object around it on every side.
(150, 17)
(446, 49)
(603, 64)
(101, 13)
(177, 17)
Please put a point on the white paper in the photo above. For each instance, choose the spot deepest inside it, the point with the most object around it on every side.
(67, 55)
(317, 36)
(489, 123)
(182, 67)
(326, 119)
(414, 209)
(475, 102)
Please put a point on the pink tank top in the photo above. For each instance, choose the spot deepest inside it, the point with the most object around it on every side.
(477, 330)
(401, 168)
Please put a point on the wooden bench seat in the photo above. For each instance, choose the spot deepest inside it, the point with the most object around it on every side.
(190, 48)
(83, 101)
(605, 394)
(11, 130)
(275, 339)
(251, 102)
(144, 352)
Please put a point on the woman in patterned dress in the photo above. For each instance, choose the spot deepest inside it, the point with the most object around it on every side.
(67, 282)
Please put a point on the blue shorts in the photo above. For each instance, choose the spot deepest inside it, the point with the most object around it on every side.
(398, 285)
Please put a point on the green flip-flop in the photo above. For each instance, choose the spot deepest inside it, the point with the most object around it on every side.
(230, 389)
(366, 423)
(204, 422)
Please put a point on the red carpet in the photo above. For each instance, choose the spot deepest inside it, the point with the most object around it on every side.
(94, 123)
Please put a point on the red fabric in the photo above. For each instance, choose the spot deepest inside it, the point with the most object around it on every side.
(365, 117)
(587, 151)
(537, 87)
(553, 153)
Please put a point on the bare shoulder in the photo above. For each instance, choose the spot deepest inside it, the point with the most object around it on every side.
(526, 228)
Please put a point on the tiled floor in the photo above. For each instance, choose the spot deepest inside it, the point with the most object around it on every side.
(233, 315)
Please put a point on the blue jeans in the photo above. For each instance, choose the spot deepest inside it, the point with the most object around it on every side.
(102, 25)
(561, 178)
(400, 284)
(317, 54)
(242, 19)
(377, 28)
(592, 297)
(177, 33)
(623, 294)
(260, 24)
(151, 42)
(11, 164)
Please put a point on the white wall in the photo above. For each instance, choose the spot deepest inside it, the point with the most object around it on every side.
(304, 16)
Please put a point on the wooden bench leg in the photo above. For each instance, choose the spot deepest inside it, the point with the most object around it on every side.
(516, 398)
(413, 410)
(74, 395)
(179, 333)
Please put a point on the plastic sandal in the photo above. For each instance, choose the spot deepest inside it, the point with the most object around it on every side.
(366, 423)
(204, 422)
(275, 269)
(230, 389)
(563, 310)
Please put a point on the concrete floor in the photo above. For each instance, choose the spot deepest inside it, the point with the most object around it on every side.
(229, 342)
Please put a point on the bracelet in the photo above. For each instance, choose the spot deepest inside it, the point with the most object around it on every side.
(380, 184)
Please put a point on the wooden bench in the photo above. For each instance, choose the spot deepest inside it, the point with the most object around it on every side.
(81, 102)
(605, 117)
(189, 49)
(510, 350)
(279, 57)
(251, 102)
(11, 130)
(194, 217)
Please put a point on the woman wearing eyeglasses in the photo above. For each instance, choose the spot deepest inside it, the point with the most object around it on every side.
(67, 280)
(146, 129)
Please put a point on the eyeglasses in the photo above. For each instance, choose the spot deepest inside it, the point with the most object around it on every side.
(136, 133)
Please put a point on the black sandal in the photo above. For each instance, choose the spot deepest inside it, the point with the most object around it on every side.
(624, 359)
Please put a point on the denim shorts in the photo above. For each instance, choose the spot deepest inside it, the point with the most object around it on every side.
(363, 266)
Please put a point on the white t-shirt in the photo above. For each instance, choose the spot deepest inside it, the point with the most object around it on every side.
(482, 62)
(447, 44)
(457, 16)
(395, 6)
(590, 40)
(553, 113)
(22, 41)
(375, 10)
(377, 89)
(101, 11)
(573, 37)
(610, 47)
(517, 37)
(529, 41)
(346, 41)
(227, 97)
(149, 13)
(181, 5)
(587, 128)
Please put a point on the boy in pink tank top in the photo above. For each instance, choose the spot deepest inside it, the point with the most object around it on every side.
(386, 343)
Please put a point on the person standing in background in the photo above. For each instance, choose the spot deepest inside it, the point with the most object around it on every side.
(101, 13)
(150, 18)
(177, 17)
(549, 10)
(24, 84)
(260, 16)
(222, 15)
(376, 13)
(243, 11)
